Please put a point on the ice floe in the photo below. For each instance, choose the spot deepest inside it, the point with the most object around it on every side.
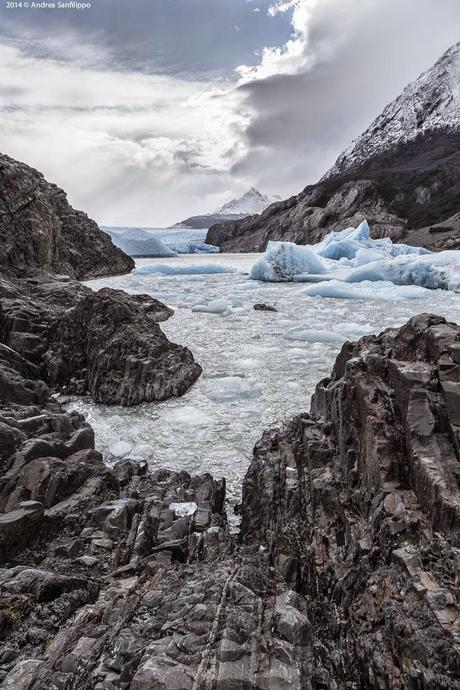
(183, 269)
(311, 335)
(352, 256)
(366, 290)
(217, 306)
(120, 449)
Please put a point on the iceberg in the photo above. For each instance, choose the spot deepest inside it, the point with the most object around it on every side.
(435, 271)
(180, 269)
(352, 256)
(157, 242)
(348, 243)
(284, 260)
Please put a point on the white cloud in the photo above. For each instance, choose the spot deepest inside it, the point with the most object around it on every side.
(126, 145)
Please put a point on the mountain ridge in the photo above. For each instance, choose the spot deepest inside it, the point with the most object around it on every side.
(251, 203)
(405, 184)
(431, 102)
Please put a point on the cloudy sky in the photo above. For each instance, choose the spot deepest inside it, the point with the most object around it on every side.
(147, 111)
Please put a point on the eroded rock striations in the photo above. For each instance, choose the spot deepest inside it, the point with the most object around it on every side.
(346, 575)
(358, 504)
(106, 344)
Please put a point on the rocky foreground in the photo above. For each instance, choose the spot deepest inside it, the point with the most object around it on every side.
(345, 575)
(107, 344)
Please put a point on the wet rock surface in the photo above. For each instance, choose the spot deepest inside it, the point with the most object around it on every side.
(345, 574)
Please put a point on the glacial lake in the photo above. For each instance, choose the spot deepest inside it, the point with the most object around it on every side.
(259, 368)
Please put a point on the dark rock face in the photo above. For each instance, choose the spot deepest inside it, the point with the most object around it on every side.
(358, 505)
(40, 230)
(410, 193)
(346, 576)
(105, 344)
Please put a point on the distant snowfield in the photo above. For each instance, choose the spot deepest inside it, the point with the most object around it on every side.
(258, 367)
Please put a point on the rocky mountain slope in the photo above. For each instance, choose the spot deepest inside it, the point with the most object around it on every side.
(105, 344)
(40, 230)
(250, 203)
(401, 174)
(346, 575)
(429, 104)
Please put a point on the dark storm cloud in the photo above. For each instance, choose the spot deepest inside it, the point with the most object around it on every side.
(164, 36)
(362, 55)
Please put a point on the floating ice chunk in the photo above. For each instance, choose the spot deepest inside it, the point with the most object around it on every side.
(349, 242)
(120, 449)
(189, 415)
(217, 306)
(182, 269)
(142, 452)
(230, 388)
(284, 260)
(353, 256)
(314, 336)
(183, 509)
(366, 290)
(335, 289)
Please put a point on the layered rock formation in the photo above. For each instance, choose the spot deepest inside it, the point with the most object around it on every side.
(401, 175)
(358, 504)
(106, 344)
(346, 575)
(40, 230)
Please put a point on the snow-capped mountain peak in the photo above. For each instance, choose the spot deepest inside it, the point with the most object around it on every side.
(247, 205)
(432, 102)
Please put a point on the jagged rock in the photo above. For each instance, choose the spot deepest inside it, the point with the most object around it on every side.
(345, 575)
(58, 332)
(39, 229)
(358, 504)
(111, 345)
(264, 307)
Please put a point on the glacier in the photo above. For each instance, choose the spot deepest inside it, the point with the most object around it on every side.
(160, 242)
(352, 256)
(139, 243)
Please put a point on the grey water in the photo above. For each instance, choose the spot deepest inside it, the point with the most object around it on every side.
(259, 368)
